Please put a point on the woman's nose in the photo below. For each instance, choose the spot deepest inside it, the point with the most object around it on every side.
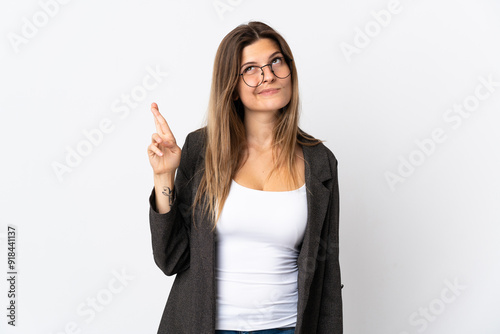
(268, 74)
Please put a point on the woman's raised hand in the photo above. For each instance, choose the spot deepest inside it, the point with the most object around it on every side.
(164, 154)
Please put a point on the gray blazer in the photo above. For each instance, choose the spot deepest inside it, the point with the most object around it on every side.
(189, 251)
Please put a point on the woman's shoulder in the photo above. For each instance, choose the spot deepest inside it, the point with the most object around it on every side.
(316, 146)
(192, 151)
(197, 138)
(307, 139)
(198, 133)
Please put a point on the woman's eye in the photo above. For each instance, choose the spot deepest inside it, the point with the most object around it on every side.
(248, 69)
(277, 60)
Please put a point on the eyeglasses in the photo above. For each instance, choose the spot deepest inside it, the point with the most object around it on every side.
(253, 75)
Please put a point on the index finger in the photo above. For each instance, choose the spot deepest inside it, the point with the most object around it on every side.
(160, 122)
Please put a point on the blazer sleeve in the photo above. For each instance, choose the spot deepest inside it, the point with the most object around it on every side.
(330, 316)
(169, 231)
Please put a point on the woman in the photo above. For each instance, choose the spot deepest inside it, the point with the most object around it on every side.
(249, 224)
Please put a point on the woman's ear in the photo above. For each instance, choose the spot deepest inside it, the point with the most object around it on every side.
(235, 97)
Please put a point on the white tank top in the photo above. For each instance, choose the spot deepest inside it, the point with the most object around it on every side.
(258, 238)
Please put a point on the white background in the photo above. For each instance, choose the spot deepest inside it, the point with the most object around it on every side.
(401, 246)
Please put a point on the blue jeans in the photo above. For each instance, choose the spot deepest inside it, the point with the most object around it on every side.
(288, 330)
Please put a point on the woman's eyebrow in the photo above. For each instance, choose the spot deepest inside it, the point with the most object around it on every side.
(253, 62)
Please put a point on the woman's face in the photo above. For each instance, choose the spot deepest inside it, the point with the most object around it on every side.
(274, 93)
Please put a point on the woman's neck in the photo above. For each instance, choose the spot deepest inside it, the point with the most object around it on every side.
(259, 129)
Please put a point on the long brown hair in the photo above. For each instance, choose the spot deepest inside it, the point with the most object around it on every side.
(225, 130)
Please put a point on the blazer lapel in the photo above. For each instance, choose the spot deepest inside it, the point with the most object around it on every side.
(317, 171)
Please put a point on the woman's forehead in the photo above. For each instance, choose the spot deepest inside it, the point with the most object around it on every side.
(261, 49)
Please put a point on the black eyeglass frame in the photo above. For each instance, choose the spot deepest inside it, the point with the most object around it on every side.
(287, 60)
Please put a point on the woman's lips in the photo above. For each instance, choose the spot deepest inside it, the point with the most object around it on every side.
(270, 91)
